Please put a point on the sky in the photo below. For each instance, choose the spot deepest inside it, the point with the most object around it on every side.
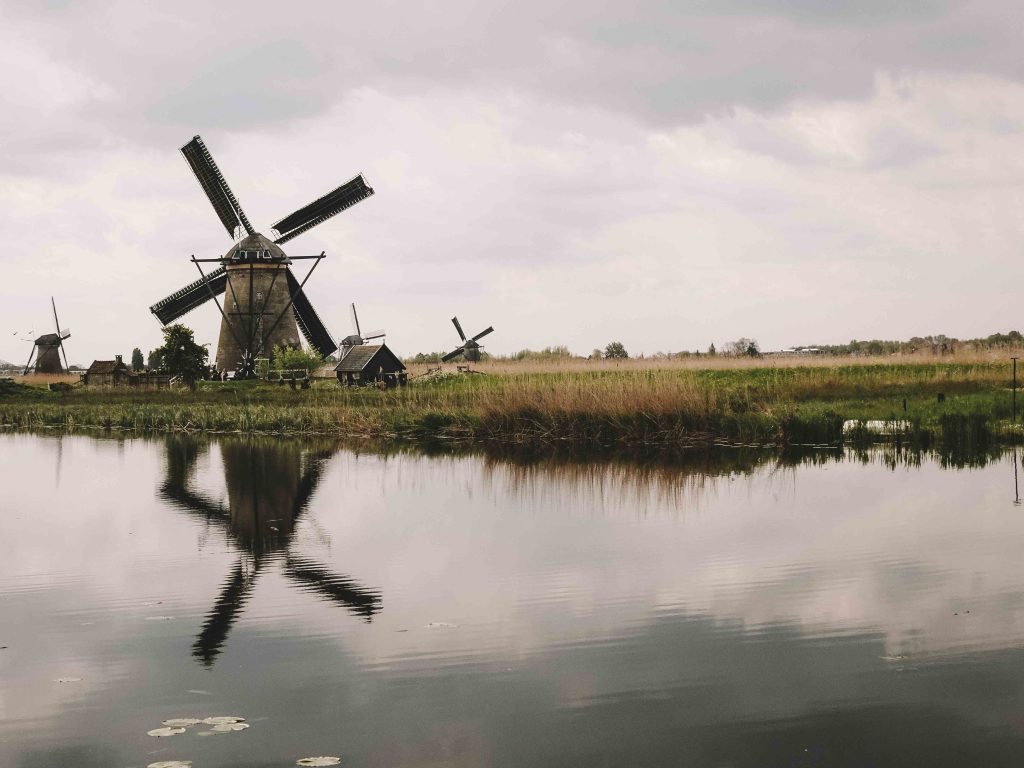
(668, 175)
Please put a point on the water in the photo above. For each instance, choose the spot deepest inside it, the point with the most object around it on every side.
(413, 610)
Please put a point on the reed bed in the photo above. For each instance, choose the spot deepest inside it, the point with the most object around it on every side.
(600, 406)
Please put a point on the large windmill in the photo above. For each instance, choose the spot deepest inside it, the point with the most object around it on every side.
(48, 348)
(264, 305)
(470, 348)
(268, 488)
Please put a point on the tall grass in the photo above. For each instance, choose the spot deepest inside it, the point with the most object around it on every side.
(600, 406)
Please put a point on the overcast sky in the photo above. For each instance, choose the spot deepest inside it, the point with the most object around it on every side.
(664, 174)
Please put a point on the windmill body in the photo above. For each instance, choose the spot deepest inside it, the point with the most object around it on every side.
(256, 293)
(47, 354)
(264, 303)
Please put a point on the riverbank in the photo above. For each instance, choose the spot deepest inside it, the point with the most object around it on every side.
(767, 405)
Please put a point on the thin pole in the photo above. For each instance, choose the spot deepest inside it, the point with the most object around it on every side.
(214, 297)
(291, 297)
(1014, 389)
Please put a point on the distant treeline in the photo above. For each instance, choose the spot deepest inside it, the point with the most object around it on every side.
(938, 344)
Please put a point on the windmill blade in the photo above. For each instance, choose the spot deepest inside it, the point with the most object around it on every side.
(331, 204)
(216, 188)
(60, 336)
(339, 589)
(182, 456)
(374, 335)
(314, 470)
(312, 327)
(355, 321)
(458, 328)
(453, 354)
(230, 601)
(191, 296)
(483, 333)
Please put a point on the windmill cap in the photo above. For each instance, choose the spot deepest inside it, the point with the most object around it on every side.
(256, 242)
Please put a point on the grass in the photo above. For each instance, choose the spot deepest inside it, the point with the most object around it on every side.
(637, 403)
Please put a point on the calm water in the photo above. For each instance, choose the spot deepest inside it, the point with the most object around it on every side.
(436, 611)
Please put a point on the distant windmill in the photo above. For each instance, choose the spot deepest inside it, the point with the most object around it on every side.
(48, 348)
(470, 348)
(358, 338)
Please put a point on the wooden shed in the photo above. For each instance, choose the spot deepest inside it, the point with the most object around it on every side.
(108, 373)
(365, 364)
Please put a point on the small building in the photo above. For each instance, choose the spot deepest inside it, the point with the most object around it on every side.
(366, 364)
(108, 373)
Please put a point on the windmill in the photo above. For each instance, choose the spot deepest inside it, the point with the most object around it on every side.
(358, 338)
(269, 488)
(264, 303)
(48, 348)
(470, 348)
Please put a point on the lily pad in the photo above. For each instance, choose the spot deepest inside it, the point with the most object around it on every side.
(159, 618)
(182, 722)
(441, 625)
(171, 764)
(322, 760)
(228, 727)
(223, 719)
(165, 731)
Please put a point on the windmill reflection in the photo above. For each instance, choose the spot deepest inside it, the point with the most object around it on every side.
(268, 487)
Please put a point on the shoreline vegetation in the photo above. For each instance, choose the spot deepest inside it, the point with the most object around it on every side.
(957, 400)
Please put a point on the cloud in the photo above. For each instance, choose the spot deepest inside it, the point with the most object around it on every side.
(567, 174)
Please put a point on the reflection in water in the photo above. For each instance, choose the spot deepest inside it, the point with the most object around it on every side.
(705, 609)
(1016, 487)
(269, 486)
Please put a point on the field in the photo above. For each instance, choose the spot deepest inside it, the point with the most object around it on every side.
(597, 404)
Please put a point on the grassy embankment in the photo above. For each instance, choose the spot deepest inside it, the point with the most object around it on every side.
(633, 403)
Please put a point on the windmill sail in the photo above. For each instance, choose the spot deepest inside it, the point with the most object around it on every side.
(191, 296)
(60, 335)
(312, 327)
(331, 204)
(216, 188)
(483, 333)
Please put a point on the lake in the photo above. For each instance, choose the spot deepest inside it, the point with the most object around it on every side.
(724, 608)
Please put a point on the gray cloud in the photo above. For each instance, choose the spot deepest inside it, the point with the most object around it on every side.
(251, 67)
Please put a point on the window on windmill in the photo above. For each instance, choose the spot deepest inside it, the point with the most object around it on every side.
(259, 295)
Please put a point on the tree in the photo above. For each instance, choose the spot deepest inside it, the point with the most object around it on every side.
(743, 346)
(615, 351)
(180, 355)
(137, 362)
(296, 359)
(712, 351)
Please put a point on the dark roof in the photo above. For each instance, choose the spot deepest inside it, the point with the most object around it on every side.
(369, 356)
(49, 339)
(107, 366)
(257, 242)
